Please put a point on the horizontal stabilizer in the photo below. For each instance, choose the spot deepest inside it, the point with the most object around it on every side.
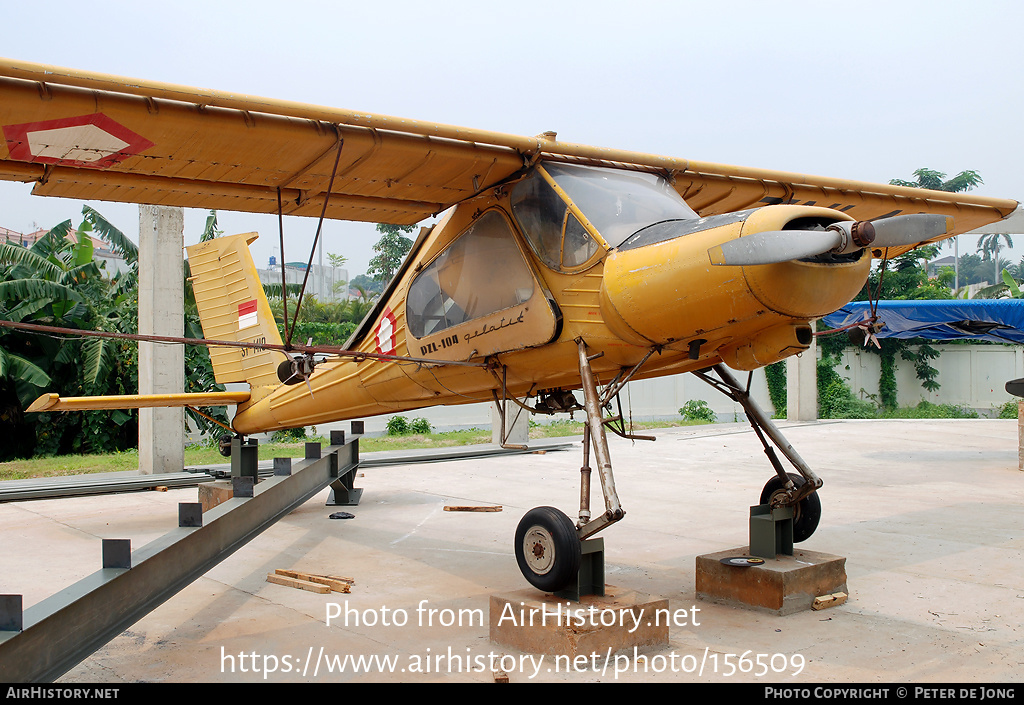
(54, 402)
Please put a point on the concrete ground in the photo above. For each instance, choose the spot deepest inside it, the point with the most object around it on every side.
(929, 514)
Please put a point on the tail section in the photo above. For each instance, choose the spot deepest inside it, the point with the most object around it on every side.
(232, 306)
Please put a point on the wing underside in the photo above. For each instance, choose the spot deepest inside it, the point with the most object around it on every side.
(96, 137)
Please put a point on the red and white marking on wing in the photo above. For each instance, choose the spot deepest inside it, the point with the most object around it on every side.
(94, 141)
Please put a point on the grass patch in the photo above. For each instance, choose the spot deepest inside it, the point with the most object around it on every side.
(200, 455)
(65, 465)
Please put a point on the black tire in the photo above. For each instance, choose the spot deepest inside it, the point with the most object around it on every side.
(807, 512)
(548, 549)
(224, 445)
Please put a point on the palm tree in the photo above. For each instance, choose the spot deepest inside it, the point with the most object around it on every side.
(57, 282)
(988, 246)
(936, 181)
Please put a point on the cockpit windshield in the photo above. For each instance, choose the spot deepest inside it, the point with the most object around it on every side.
(619, 203)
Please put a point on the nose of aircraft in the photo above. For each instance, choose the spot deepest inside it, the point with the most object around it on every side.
(670, 292)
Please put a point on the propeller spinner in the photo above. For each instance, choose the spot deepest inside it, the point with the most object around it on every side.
(772, 246)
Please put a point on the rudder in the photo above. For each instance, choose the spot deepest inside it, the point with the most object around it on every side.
(233, 307)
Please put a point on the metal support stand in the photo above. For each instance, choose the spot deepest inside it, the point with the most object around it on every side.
(344, 493)
(49, 638)
(771, 531)
(590, 579)
(245, 458)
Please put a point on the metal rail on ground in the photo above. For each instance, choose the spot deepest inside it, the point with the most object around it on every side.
(51, 637)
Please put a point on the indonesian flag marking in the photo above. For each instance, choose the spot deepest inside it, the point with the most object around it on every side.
(386, 333)
(247, 315)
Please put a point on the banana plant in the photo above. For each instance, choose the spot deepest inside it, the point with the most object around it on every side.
(1011, 286)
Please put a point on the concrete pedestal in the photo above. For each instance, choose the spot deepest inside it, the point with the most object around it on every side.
(517, 424)
(544, 624)
(783, 585)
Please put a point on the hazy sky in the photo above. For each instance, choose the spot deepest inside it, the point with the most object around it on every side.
(866, 90)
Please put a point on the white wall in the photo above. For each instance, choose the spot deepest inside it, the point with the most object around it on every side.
(969, 375)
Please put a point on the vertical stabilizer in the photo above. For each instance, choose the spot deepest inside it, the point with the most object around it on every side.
(232, 306)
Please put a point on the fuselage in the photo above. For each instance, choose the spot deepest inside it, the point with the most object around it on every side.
(514, 277)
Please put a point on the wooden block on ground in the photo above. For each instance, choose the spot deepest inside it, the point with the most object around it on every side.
(335, 584)
(783, 585)
(297, 583)
(825, 601)
(213, 493)
(450, 508)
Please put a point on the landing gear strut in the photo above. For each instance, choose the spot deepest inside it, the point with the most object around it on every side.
(786, 489)
(547, 544)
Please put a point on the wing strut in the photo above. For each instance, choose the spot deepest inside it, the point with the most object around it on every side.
(284, 280)
(316, 239)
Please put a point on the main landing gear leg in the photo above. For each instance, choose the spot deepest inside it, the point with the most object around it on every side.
(547, 546)
(786, 489)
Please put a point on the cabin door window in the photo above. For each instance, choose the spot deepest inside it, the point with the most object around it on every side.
(480, 273)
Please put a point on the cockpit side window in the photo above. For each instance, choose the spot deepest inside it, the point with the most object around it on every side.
(552, 229)
(541, 214)
(482, 271)
(577, 245)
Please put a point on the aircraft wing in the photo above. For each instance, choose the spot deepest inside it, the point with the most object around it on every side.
(91, 136)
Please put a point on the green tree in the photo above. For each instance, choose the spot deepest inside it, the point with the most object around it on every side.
(210, 231)
(391, 249)
(57, 282)
(936, 181)
(989, 245)
(368, 288)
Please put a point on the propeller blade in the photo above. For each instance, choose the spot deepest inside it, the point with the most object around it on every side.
(771, 246)
(901, 230)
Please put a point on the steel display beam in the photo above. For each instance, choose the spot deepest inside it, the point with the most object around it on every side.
(62, 630)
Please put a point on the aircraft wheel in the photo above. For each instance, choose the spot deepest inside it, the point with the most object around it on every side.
(547, 549)
(224, 445)
(807, 511)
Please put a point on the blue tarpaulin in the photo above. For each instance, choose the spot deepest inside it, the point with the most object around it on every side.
(994, 320)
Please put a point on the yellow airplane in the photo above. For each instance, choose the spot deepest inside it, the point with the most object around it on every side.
(554, 267)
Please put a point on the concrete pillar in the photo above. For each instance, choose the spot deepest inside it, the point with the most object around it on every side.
(802, 385)
(161, 312)
(1020, 435)
(517, 430)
